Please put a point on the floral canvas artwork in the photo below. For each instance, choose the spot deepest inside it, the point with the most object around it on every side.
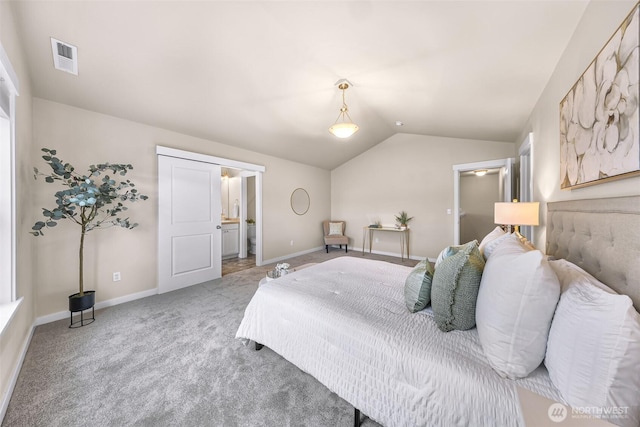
(599, 121)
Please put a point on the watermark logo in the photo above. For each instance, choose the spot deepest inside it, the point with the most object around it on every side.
(557, 412)
(604, 412)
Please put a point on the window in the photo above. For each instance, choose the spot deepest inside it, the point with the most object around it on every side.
(7, 291)
(8, 92)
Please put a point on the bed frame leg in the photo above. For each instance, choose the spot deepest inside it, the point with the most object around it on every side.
(356, 418)
(258, 346)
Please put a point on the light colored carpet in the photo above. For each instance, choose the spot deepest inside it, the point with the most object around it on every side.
(171, 360)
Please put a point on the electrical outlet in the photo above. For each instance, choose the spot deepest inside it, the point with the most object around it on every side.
(448, 211)
(116, 276)
(376, 240)
(292, 243)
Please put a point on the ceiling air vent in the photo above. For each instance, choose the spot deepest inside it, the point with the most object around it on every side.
(65, 56)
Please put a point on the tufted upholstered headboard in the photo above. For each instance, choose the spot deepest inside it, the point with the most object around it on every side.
(602, 236)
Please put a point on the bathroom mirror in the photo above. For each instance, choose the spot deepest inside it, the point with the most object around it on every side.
(300, 201)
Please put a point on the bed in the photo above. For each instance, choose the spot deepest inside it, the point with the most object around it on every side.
(345, 322)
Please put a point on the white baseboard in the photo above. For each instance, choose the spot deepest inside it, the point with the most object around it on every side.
(14, 375)
(393, 254)
(102, 304)
(354, 249)
(285, 257)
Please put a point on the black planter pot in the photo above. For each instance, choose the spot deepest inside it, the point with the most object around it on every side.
(84, 302)
(81, 303)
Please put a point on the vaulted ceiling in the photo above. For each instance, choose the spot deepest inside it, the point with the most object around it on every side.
(260, 74)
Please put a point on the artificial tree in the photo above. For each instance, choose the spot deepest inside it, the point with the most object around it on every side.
(91, 200)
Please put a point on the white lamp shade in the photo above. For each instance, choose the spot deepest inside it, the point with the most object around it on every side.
(344, 130)
(517, 213)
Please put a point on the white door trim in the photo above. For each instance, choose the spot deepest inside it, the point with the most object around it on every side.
(526, 163)
(189, 155)
(526, 179)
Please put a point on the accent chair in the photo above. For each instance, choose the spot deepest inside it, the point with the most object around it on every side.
(334, 234)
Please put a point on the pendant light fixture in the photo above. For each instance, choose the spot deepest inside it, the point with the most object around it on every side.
(344, 126)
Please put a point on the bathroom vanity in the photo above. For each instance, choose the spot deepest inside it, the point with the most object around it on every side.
(230, 238)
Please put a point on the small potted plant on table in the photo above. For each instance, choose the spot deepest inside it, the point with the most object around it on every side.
(403, 219)
(91, 200)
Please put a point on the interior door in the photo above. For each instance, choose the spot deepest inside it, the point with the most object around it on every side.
(189, 234)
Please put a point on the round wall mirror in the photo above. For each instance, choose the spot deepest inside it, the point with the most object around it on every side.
(300, 201)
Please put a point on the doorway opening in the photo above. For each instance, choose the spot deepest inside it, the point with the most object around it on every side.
(191, 213)
(477, 213)
(239, 225)
(478, 193)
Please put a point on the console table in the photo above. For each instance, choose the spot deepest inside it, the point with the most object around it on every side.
(403, 233)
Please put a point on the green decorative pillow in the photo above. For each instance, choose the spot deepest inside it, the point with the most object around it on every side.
(455, 288)
(417, 286)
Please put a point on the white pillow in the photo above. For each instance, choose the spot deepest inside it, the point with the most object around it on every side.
(569, 273)
(517, 297)
(495, 233)
(335, 228)
(491, 246)
(593, 351)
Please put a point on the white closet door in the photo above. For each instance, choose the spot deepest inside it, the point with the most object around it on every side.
(189, 235)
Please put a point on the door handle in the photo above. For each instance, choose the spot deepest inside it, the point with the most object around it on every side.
(218, 227)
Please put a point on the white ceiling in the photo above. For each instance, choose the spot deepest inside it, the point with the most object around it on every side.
(260, 75)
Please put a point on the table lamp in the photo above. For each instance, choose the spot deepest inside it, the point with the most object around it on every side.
(514, 214)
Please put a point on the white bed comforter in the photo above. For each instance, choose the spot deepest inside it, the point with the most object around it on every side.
(344, 322)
